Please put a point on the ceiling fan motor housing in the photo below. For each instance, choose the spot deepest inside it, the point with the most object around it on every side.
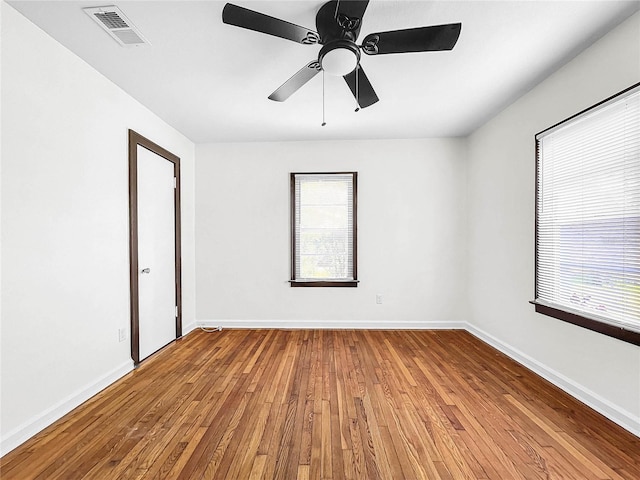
(338, 33)
(332, 25)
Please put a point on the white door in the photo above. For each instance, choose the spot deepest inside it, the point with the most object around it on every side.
(156, 252)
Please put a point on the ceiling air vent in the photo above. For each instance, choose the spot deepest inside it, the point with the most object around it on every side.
(116, 24)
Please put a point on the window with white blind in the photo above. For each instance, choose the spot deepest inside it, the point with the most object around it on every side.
(323, 229)
(588, 218)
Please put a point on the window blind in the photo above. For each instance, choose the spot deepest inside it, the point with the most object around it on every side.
(588, 213)
(324, 227)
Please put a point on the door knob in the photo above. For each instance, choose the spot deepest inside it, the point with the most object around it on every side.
(146, 270)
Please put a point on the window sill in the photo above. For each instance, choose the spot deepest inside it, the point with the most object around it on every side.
(323, 283)
(592, 324)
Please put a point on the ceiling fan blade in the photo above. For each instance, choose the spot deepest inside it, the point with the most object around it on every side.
(259, 22)
(292, 85)
(421, 39)
(365, 94)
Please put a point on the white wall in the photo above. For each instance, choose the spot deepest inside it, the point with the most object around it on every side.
(598, 369)
(427, 244)
(411, 234)
(65, 288)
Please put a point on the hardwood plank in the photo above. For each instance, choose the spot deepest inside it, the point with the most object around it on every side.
(336, 405)
(258, 467)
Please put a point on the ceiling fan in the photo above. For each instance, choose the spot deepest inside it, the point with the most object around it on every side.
(338, 23)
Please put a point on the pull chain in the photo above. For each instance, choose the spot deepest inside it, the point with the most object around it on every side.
(357, 92)
(323, 121)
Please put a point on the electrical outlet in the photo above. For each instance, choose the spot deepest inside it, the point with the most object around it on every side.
(122, 334)
(379, 299)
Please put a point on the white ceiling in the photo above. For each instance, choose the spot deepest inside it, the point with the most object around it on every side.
(211, 81)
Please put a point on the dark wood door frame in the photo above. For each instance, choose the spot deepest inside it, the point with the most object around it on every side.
(136, 139)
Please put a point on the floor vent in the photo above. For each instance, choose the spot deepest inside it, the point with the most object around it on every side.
(116, 24)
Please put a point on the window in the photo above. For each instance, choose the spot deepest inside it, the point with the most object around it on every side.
(323, 229)
(588, 218)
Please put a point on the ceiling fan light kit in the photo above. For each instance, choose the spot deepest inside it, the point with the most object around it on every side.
(338, 24)
(339, 57)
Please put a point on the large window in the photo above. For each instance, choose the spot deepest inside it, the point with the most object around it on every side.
(588, 218)
(323, 229)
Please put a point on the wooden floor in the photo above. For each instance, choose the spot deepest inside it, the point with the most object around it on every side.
(321, 404)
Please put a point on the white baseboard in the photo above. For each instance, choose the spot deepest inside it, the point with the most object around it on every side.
(333, 324)
(614, 413)
(39, 422)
